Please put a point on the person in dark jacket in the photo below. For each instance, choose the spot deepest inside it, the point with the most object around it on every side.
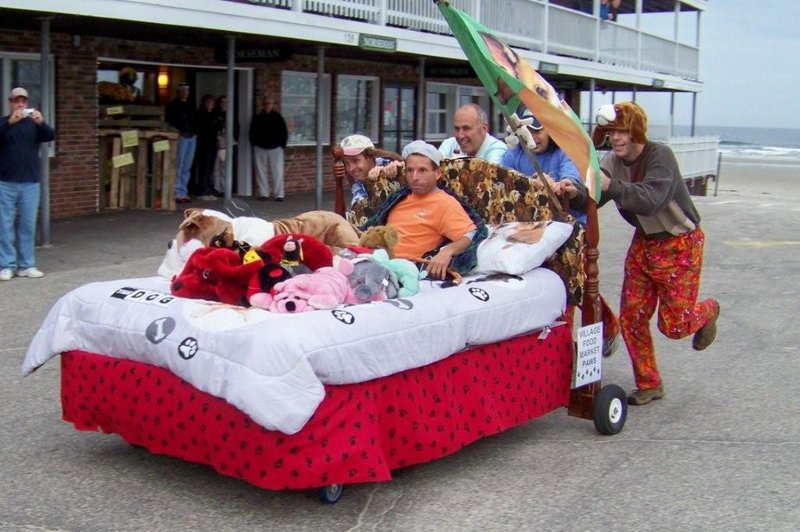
(268, 135)
(21, 134)
(180, 114)
(207, 130)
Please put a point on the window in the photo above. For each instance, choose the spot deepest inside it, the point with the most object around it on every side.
(442, 100)
(299, 107)
(357, 105)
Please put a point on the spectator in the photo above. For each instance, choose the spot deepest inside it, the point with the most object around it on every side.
(21, 134)
(665, 257)
(268, 135)
(180, 114)
(221, 113)
(472, 138)
(431, 222)
(360, 157)
(206, 155)
(613, 12)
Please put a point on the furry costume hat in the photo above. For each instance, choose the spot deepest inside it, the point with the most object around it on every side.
(625, 116)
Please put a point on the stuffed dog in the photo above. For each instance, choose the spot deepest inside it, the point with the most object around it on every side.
(326, 288)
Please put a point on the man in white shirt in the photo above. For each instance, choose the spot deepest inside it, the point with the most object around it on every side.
(472, 138)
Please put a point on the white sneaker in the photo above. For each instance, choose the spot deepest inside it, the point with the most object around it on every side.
(6, 274)
(31, 272)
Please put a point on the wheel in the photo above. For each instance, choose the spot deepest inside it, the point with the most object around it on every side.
(610, 410)
(331, 494)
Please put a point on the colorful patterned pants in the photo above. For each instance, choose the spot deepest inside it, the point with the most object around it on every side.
(664, 273)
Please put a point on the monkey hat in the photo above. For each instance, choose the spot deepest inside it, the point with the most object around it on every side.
(625, 116)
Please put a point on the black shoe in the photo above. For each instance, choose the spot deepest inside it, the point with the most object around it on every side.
(279, 199)
(236, 208)
(263, 198)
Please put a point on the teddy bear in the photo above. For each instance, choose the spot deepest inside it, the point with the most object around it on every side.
(325, 288)
(371, 281)
(215, 274)
(380, 237)
(404, 273)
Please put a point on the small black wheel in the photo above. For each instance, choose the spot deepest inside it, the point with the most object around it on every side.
(331, 494)
(610, 410)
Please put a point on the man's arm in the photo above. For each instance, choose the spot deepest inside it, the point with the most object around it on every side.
(437, 267)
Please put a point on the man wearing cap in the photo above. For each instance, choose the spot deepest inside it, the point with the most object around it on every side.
(269, 136)
(431, 222)
(180, 114)
(360, 157)
(472, 138)
(553, 161)
(21, 134)
(665, 257)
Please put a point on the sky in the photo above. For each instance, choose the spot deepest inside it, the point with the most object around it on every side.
(749, 66)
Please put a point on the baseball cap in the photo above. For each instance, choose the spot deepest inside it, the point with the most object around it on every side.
(533, 125)
(16, 93)
(420, 147)
(355, 144)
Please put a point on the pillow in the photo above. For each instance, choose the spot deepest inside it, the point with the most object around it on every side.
(518, 247)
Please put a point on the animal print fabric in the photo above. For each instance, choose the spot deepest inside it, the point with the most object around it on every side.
(498, 195)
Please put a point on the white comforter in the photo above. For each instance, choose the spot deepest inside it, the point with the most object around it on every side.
(273, 366)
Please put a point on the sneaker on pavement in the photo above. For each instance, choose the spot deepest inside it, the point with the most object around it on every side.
(32, 272)
(705, 335)
(6, 274)
(642, 397)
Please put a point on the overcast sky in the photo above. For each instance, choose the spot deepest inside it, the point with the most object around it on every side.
(749, 65)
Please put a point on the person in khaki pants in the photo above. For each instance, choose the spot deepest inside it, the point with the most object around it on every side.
(268, 135)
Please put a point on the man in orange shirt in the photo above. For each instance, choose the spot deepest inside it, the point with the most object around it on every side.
(431, 222)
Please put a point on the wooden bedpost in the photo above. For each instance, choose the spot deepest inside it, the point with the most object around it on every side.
(581, 400)
(339, 180)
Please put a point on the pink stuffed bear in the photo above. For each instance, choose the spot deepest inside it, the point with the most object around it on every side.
(325, 288)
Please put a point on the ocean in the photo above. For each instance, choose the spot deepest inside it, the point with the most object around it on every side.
(757, 144)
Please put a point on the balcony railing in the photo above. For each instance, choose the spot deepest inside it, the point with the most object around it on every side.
(529, 24)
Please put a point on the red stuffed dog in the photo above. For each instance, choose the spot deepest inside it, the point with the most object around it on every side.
(215, 274)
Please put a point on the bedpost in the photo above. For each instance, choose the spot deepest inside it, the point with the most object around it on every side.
(339, 179)
(581, 400)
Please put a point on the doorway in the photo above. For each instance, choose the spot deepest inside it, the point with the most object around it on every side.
(399, 113)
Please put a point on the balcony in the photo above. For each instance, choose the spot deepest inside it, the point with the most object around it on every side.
(533, 25)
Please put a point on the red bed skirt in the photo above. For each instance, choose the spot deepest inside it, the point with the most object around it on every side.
(359, 433)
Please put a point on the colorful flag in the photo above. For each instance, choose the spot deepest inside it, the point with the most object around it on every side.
(511, 81)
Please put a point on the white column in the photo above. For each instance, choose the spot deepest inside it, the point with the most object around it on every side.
(229, 117)
(320, 110)
(44, 148)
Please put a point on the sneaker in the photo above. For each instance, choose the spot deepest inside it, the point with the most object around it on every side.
(32, 272)
(642, 397)
(263, 198)
(705, 335)
(6, 274)
(207, 197)
(278, 199)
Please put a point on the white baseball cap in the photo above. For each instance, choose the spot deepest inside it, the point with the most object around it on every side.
(16, 93)
(355, 144)
(420, 147)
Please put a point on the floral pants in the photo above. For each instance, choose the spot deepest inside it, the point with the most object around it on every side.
(664, 273)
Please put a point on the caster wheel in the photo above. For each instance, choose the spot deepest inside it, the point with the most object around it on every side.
(331, 494)
(610, 410)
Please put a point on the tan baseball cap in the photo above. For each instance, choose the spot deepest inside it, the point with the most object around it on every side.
(355, 144)
(17, 92)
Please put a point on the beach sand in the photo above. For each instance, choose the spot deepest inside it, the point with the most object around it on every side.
(739, 176)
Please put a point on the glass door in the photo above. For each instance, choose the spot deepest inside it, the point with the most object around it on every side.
(399, 114)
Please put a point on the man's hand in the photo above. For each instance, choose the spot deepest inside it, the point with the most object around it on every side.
(565, 188)
(605, 183)
(437, 267)
(390, 170)
(37, 117)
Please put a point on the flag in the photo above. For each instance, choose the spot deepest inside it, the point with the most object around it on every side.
(511, 81)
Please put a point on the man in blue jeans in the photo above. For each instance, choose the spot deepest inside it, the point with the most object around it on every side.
(21, 134)
(180, 114)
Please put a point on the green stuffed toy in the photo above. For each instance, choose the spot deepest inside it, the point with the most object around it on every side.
(403, 271)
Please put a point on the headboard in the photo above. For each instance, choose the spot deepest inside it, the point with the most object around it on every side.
(499, 195)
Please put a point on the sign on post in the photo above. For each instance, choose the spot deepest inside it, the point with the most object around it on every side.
(588, 355)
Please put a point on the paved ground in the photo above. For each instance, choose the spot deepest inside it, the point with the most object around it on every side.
(720, 452)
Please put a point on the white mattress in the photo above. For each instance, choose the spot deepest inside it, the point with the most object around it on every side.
(273, 366)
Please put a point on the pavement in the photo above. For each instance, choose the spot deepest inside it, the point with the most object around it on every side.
(720, 452)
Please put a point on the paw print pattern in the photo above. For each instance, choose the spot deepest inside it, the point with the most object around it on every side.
(344, 316)
(479, 293)
(359, 433)
(188, 348)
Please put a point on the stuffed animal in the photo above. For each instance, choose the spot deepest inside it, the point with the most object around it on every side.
(315, 254)
(215, 274)
(325, 288)
(370, 281)
(403, 270)
(292, 257)
(380, 237)
(260, 290)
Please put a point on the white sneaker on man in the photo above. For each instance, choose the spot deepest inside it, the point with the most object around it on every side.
(6, 274)
(31, 272)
